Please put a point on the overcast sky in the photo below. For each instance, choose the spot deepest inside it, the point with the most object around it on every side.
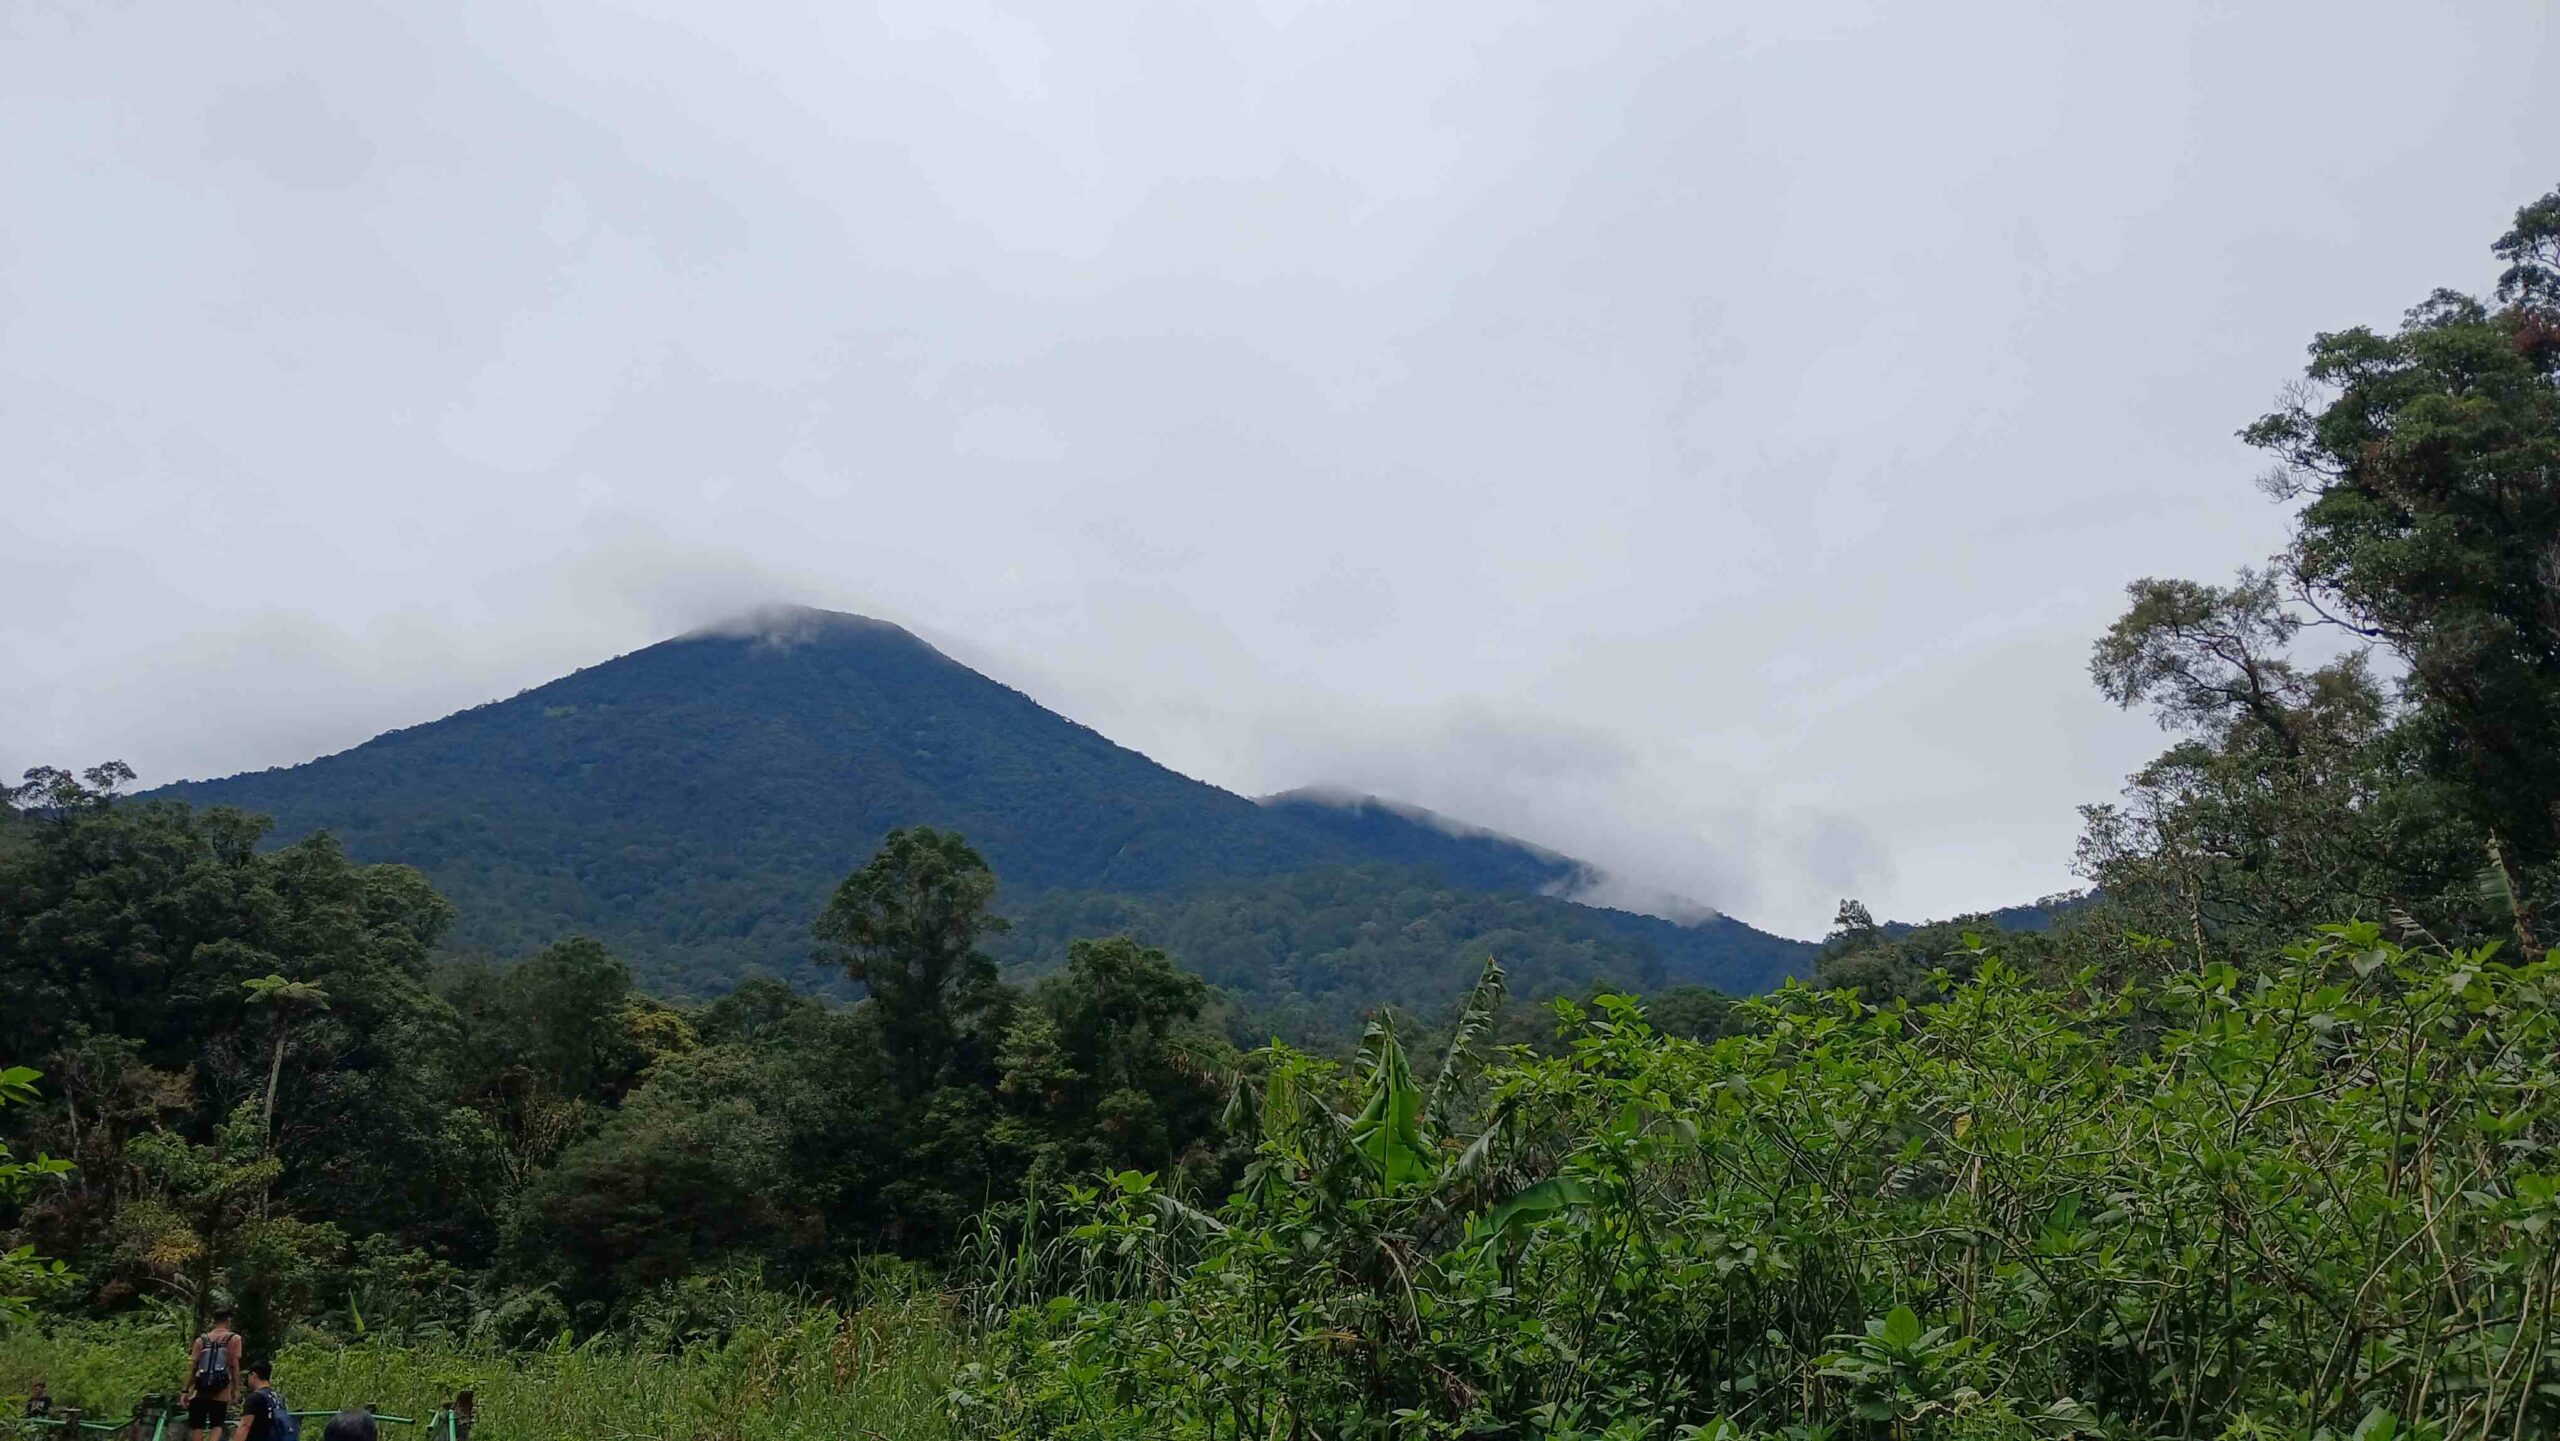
(1702, 437)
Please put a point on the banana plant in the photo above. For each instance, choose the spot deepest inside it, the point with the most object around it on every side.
(1391, 1163)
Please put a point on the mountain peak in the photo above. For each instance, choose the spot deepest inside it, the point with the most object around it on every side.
(784, 626)
(693, 803)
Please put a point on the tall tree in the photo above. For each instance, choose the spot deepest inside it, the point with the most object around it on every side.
(2425, 465)
(1111, 1068)
(2283, 802)
(282, 999)
(906, 926)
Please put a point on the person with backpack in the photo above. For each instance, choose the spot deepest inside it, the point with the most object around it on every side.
(213, 1371)
(264, 1413)
(351, 1425)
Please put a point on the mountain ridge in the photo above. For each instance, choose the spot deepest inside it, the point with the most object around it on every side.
(692, 802)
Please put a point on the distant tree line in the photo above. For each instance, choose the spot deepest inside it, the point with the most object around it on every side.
(261, 1088)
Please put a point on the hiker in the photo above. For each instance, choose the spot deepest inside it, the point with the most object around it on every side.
(39, 1401)
(352, 1425)
(213, 1371)
(264, 1413)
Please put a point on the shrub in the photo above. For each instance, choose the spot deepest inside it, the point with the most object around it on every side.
(2311, 1200)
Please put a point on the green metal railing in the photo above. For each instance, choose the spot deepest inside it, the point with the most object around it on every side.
(85, 1424)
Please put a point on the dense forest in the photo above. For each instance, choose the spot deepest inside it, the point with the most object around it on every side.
(2253, 1139)
(1306, 957)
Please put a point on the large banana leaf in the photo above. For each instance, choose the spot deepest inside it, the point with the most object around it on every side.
(1388, 1130)
(1484, 1006)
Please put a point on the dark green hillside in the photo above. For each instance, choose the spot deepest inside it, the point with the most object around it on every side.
(1307, 955)
(2041, 914)
(694, 801)
(692, 804)
(1384, 830)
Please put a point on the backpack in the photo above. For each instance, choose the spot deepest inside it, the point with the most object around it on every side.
(287, 1428)
(213, 1365)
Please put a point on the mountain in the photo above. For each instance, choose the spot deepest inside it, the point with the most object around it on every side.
(1307, 955)
(693, 803)
(1386, 830)
(2042, 914)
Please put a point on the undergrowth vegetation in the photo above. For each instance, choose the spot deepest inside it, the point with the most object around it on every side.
(753, 1366)
(2312, 1200)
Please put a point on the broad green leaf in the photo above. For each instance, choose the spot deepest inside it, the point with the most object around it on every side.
(1388, 1130)
(1535, 1202)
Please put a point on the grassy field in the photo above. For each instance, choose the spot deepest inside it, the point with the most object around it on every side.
(878, 1372)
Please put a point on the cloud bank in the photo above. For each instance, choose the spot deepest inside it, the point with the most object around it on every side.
(1702, 439)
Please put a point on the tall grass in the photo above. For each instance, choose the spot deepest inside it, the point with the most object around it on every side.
(794, 1373)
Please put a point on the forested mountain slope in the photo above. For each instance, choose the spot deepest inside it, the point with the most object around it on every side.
(1307, 955)
(693, 803)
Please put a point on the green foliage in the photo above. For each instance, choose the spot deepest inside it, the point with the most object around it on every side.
(725, 1365)
(22, 1272)
(684, 1177)
(2425, 465)
(1112, 1067)
(337, 1135)
(2289, 797)
(1882, 963)
(552, 1024)
(906, 927)
(1695, 1013)
(1387, 1133)
(232, 1036)
(1308, 957)
(771, 1132)
(147, 919)
(2319, 1195)
(2427, 462)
